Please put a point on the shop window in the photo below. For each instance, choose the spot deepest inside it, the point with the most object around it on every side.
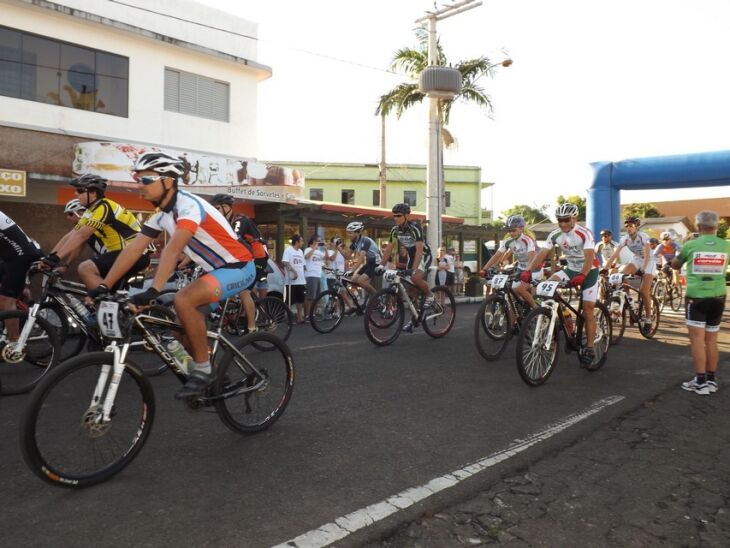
(196, 95)
(409, 197)
(45, 70)
(447, 198)
(376, 198)
(316, 194)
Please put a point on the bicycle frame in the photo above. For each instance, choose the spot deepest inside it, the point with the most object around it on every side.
(556, 305)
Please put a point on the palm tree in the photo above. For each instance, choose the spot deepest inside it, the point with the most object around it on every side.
(405, 95)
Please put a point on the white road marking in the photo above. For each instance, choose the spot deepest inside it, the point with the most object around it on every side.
(345, 525)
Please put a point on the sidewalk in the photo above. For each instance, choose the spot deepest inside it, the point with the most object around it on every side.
(656, 476)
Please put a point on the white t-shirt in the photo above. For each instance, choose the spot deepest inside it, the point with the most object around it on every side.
(295, 258)
(313, 264)
(338, 263)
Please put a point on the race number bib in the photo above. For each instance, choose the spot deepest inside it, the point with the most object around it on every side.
(616, 279)
(390, 276)
(499, 280)
(711, 263)
(108, 317)
(546, 289)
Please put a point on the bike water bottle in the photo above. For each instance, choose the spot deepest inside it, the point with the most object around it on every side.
(568, 321)
(181, 356)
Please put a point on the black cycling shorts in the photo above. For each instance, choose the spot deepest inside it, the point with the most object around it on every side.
(13, 273)
(105, 261)
(705, 313)
(369, 268)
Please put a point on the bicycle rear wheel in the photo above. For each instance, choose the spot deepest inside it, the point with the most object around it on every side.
(619, 317)
(384, 317)
(327, 311)
(62, 434)
(536, 355)
(253, 391)
(21, 369)
(275, 318)
(648, 332)
(659, 291)
(438, 319)
(492, 327)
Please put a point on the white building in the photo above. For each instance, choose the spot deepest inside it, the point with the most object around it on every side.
(170, 73)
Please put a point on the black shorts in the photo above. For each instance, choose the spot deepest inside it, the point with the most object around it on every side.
(369, 268)
(105, 261)
(705, 313)
(426, 261)
(297, 292)
(261, 267)
(13, 273)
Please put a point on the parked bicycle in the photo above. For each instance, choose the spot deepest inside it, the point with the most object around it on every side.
(538, 344)
(499, 317)
(385, 311)
(328, 308)
(624, 308)
(90, 416)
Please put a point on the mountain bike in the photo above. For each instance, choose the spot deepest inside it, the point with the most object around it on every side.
(272, 316)
(499, 317)
(538, 344)
(90, 416)
(666, 290)
(328, 308)
(624, 308)
(385, 311)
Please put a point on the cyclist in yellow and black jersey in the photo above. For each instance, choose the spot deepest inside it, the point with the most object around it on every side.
(105, 225)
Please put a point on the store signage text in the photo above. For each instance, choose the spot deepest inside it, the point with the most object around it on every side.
(12, 182)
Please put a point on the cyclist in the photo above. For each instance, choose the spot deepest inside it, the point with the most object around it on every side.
(197, 229)
(249, 235)
(576, 243)
(17, 253)
(641, 264)
(106, 226)
(522, 246)
(409, 237)
(667, 252)
(366, 256)
(335, 257)
(606, 247)
(653, 243)
(706, 258)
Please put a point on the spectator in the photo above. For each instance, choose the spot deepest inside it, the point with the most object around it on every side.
(293, 263)
(706, 257)
(313, 261)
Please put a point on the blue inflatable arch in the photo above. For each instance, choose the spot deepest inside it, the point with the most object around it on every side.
(603, 206)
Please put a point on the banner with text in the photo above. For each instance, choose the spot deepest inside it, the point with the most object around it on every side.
(12, 183)
(245, 179)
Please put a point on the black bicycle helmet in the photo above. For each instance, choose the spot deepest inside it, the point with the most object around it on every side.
(89, 181)
(222, 199)
(402, 208)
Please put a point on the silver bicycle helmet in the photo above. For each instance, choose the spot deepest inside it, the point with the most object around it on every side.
(161, 163)
(355, 226)
(74, 206)
(566, 210)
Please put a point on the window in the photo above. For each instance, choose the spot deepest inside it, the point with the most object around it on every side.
(196, 95)
(409, 197)
(46, 70)
(348, 197)
(376, 198)
(316, 194)
(447, 198)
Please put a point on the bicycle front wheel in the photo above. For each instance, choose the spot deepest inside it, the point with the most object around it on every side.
(602, 338)
(648, 331)
(619, 316)
(253, 389)
(22, 368)
(275, 318)
(438, 319)
(537, 349)
(64, 437)
(327, 311)
(659, 291)
(675, 297)
(384, 317)
(492, 327)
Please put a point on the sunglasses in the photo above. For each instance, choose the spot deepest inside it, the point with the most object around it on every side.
(396, 215)
(564, 220)
(149, 179)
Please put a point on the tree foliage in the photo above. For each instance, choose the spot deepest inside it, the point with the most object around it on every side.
(577, 200)
(531, 214)
(640, 210)
(722, 228)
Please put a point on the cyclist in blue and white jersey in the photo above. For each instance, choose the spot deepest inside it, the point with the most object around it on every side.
(366, 256)
(642, 264)
(576, 244)
(606, 247)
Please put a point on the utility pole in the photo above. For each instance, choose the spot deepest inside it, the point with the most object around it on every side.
(383, 166)
(438, 83)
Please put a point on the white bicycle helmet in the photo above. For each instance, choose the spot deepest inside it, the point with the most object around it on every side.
(74, 206)
(161, 163)
(566, 210)
(665, 235)
(355, 226)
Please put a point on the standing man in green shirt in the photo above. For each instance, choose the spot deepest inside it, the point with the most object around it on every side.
(707, 258)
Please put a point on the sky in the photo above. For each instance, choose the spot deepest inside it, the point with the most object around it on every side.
(591, 80)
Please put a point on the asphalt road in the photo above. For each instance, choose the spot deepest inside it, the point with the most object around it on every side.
(364, 424)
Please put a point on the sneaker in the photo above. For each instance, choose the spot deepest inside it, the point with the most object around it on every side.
(587, 356)
(350, 311)
(692, 386)
(712, 385)
(428, 302)
(408, 328)
(195, 386)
